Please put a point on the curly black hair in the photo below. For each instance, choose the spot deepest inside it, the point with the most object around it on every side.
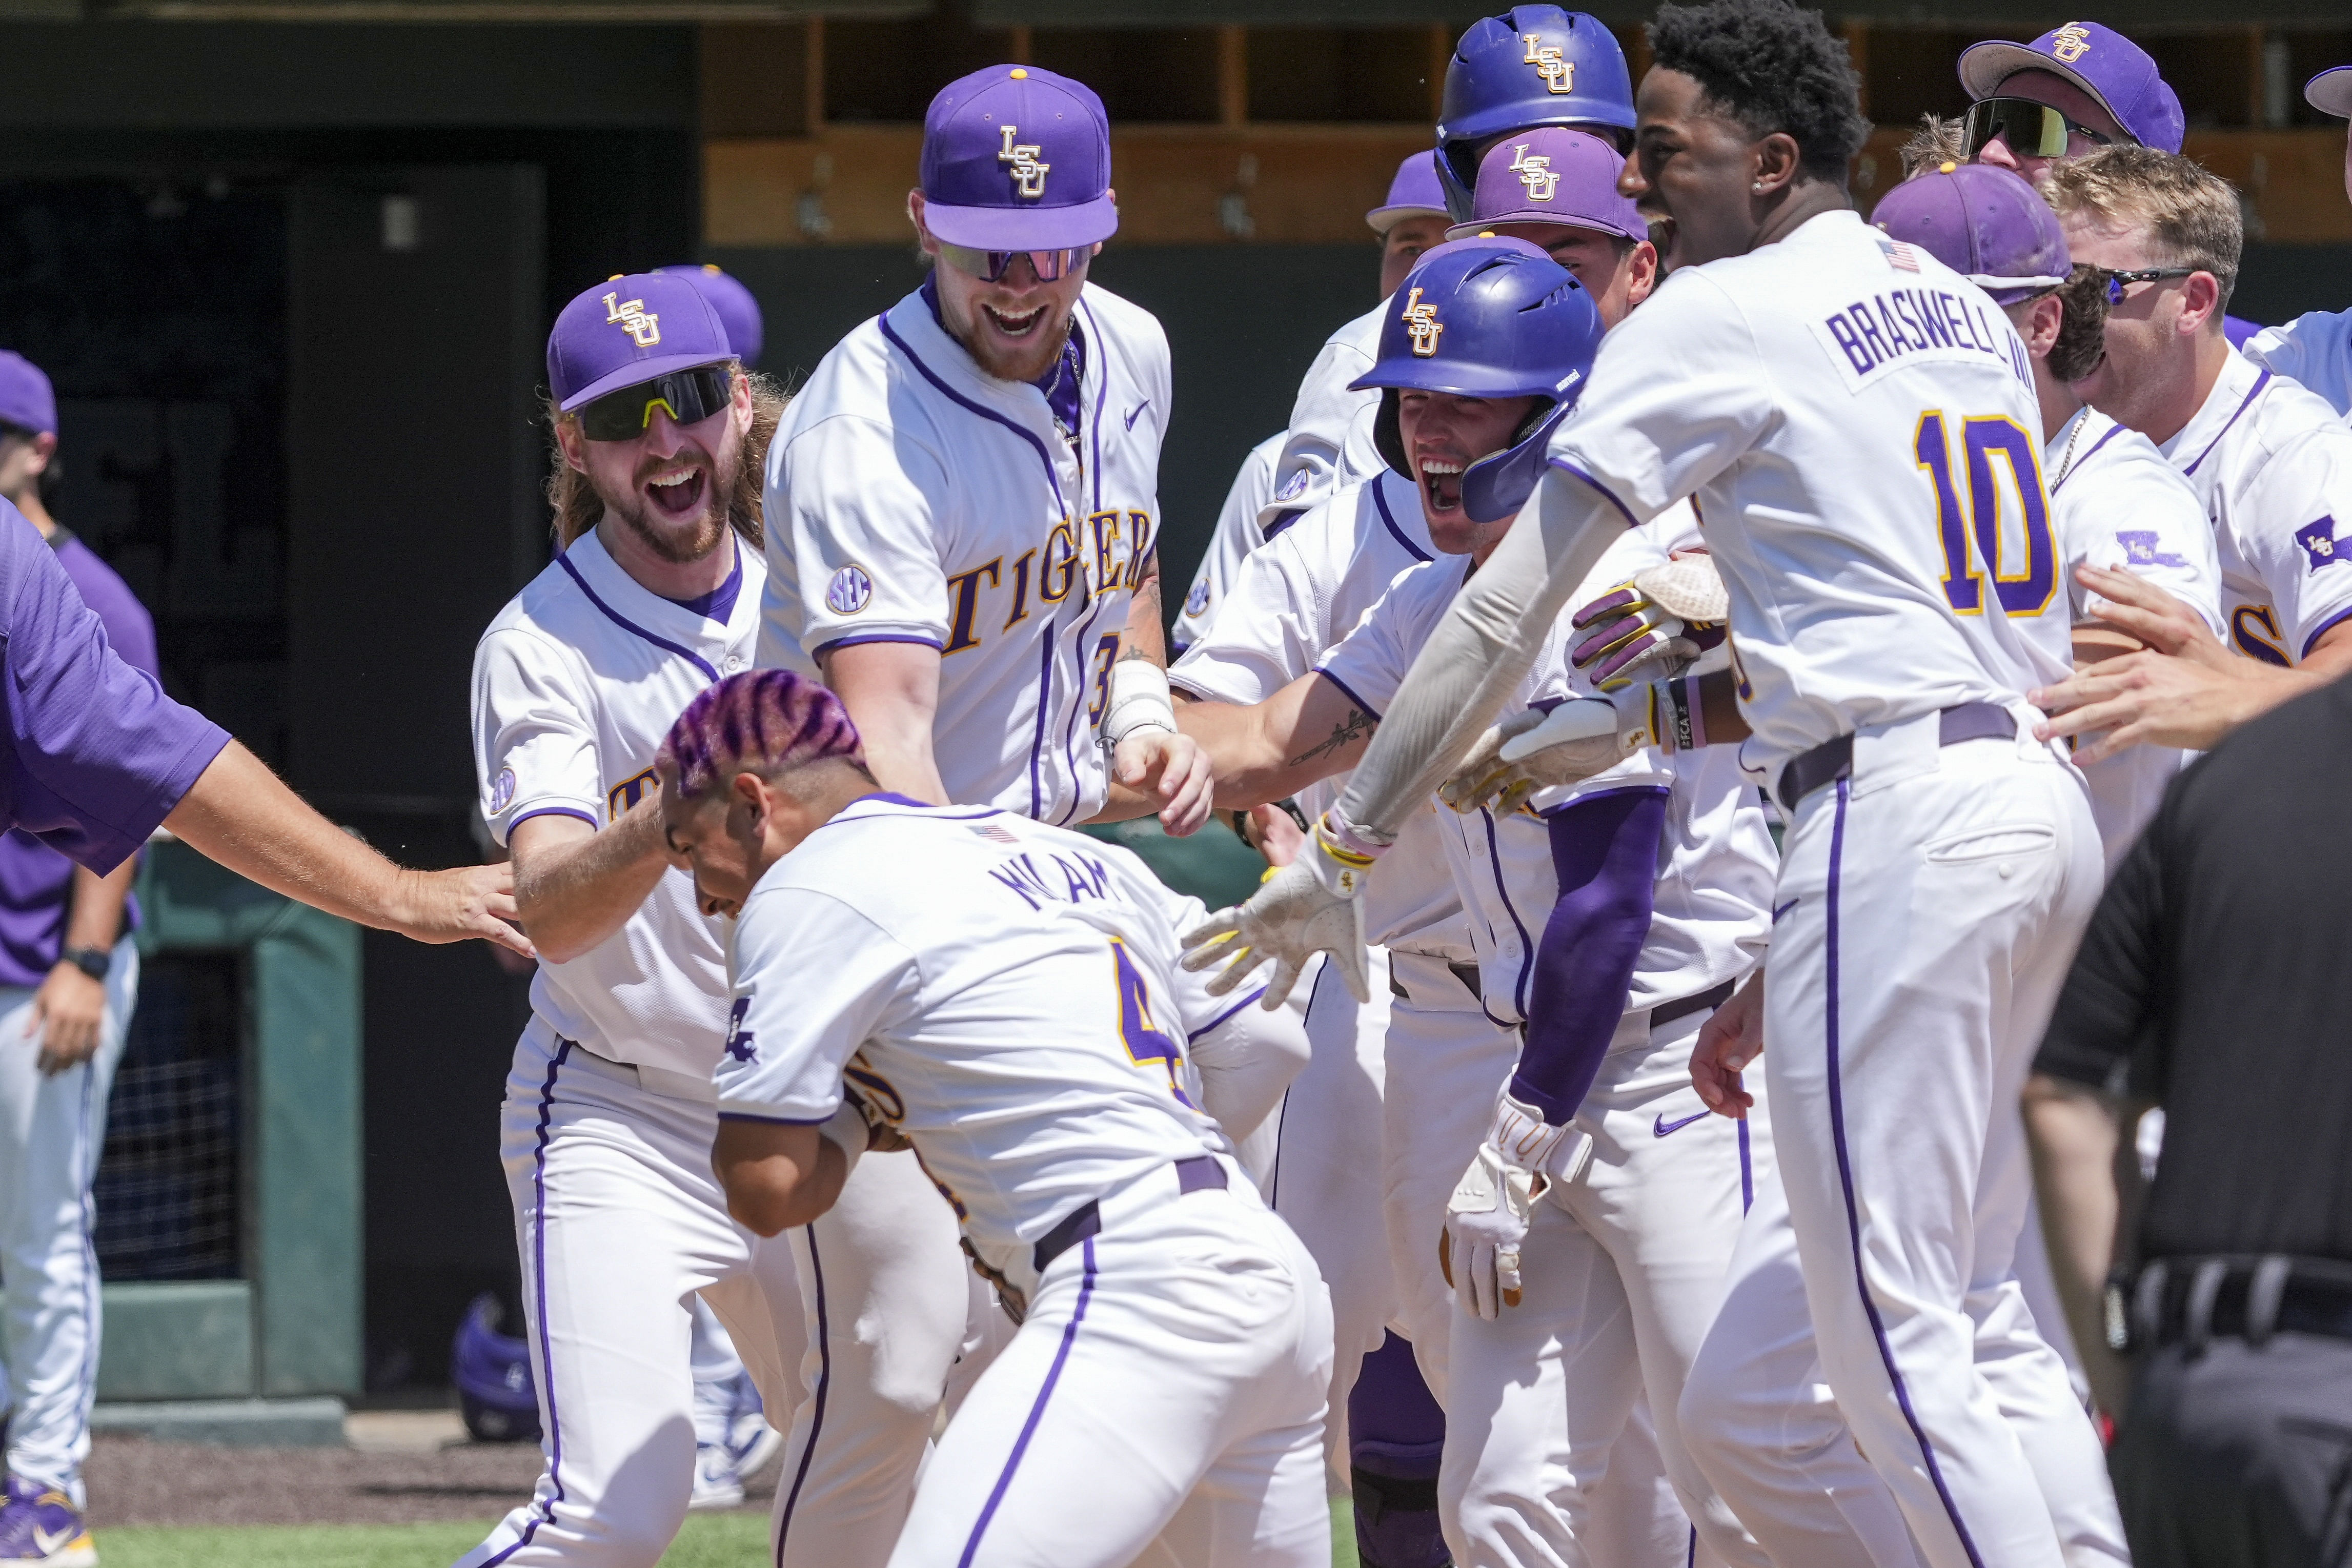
(1769, 66)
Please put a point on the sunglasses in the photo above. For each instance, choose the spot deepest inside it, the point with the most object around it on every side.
(2119, 281)
(688, 397)
(991, 265)
(2031, 130)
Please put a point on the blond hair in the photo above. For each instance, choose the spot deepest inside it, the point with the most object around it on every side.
(2190, 213)
(1937, 142)
(577, 509)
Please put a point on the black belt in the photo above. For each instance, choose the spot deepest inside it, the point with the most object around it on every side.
(1191, 1175)
(1466, 973)
(1834, 759)
(2190, 1300)
(1706, 1001)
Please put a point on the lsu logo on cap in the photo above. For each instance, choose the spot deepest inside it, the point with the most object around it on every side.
(1536, 173)
(1028, 174)
(2319, 541)
(1422, 325)
(2070, 43)
(1559, 75)
(850, 591)
(642, 326)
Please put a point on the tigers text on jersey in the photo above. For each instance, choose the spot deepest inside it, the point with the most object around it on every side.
(1711, 917)
(2117, 502)
(2315, 349)
(2273, 466)
(1239, 532)
(1292, 601)
(913, 498)
(1857, 426)
(1329, 441)
(1002, 991)
(576, 683)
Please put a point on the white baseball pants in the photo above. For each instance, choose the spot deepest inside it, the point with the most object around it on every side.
(1624, 1266)
(1932, 905)
(620, 1221)
(1162, 1403)
(51, 1130)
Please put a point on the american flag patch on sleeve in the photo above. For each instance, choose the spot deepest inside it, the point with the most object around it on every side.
(995, 834)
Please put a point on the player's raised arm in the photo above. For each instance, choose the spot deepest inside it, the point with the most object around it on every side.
(1312, 728)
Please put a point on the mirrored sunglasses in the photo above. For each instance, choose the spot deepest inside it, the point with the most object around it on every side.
(991, 265)
(688, 397)
(2031, 130)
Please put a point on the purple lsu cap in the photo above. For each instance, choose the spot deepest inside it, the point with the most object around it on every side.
(1984, 223)
(629, 328)
(1413, 194)
(1017, 158)
(2330, 92)
(26, 399)
(1552, 175)
(738, 310)
(2099, 60)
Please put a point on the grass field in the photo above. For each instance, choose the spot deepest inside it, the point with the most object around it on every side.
(709, 1541)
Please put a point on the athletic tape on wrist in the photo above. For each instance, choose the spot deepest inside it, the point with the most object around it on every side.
(1140, 699)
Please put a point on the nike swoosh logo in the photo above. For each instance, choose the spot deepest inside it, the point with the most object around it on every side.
(1784, 909)
(1661, 1126)
(45, 1541)
(1137, 410)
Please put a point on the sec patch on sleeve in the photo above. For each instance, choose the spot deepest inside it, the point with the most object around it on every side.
(850, 591)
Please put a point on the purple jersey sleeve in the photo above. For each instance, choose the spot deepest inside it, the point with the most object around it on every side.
(97, 755)
(1604, 849)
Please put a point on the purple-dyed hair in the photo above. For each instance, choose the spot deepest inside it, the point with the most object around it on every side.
(764, 721)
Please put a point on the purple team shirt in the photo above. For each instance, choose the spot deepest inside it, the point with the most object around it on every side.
(95, 755)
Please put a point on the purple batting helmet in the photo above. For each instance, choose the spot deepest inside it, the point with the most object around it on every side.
(492, 1372)
(766, 721)
(1486, 318)
(738, 312)
(2100, 61)
(1415, 192)
(1017, 158)
(629, 328)
(1983, 221)
(1552, 175)
(1534, 65)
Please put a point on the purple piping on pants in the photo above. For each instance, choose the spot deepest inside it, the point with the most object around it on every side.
(816, 1407)
(1387, 520)
(1852, 1210)
(625, 625)
(539, 1288)
(1037, 1411)
(1747, 1171)
(1526, 943)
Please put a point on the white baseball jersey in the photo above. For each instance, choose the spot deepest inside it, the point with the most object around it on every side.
(1329, 441)
(576, 683)
(1712, 914)
(2273, 466)
(1240, 530)
(913, 498)
(1002, 991)
(1857, 427)
(2315, 349)
(1292, 601)
(2118, 504)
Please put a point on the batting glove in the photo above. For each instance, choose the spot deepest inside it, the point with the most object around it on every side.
(1309, 906)
(1655, 624)
(1493, 1204)
(1533, 750)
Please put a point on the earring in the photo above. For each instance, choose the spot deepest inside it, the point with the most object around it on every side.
(1759, 187)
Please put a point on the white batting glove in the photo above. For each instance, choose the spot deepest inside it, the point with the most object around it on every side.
(1487, 1216)
(1530, 751)
(1309, 906)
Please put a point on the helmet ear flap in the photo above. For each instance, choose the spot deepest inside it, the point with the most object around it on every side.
(1388, 434)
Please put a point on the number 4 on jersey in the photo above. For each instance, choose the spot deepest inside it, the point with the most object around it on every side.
(1144, 1042)
(1975, 541)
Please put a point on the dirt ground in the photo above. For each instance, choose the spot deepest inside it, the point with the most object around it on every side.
(404, 1466)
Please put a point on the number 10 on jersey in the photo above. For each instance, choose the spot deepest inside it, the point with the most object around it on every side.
(1977, 540)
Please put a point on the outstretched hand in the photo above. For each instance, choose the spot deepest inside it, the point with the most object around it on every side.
(1294, 916)
(460, 904)
(2182, 689)
(1172, 769)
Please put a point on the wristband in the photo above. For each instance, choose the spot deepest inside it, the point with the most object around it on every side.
(1346, 843)
(1695, 708)
(1138, 700)
(94, 962)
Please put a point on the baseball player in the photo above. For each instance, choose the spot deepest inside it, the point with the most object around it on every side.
(2270, 461)
(999, 994)
(1939, 860)
(1534, 65)
(610, 1110)
(732, 1436)
(2315, 348)
(1411, 220)
(964, 545)
(69, 980)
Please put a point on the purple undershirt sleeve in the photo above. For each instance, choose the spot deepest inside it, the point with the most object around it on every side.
(1605, 850)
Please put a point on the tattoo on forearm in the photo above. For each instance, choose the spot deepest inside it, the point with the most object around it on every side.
(1354, 727)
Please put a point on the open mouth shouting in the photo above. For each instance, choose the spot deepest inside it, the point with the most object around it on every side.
(678, 493)
(1441, 482)
(1016, 326)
